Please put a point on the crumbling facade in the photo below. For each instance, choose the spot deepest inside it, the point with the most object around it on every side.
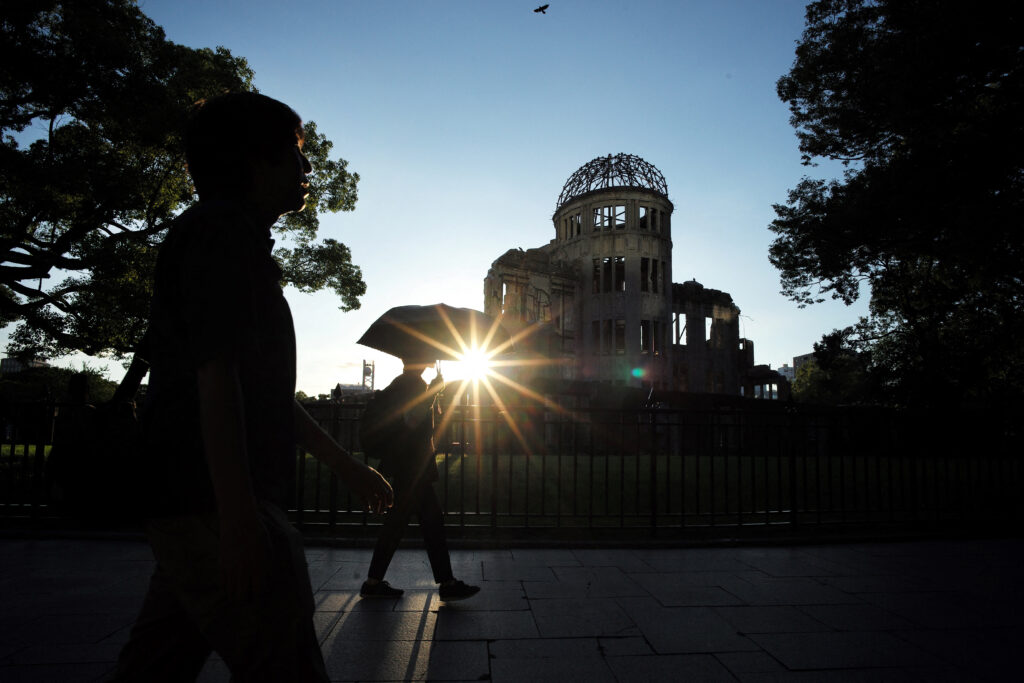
(597, 303)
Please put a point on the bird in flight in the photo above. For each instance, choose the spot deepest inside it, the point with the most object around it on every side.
(541, 9)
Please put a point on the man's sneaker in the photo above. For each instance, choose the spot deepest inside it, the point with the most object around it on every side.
(381, 589)
(457, 590)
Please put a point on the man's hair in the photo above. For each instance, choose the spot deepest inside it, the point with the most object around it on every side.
(225, 134)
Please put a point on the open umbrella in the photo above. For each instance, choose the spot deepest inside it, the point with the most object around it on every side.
(435, 332)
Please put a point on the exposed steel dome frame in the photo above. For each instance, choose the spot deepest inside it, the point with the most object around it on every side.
(620, 170)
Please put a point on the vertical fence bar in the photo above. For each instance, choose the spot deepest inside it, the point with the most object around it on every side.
(794, 519)
(683, 454)
(300, 493)
(494, 425)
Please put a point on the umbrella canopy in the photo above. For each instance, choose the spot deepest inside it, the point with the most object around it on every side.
(435, 332)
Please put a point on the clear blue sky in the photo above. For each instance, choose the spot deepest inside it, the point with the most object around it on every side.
(464, 119)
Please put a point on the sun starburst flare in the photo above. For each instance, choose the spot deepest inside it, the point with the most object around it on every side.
(482, 367)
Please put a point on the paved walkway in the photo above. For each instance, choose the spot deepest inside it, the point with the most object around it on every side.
(922, 611)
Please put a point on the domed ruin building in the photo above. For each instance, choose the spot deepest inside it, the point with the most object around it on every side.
(599, 300)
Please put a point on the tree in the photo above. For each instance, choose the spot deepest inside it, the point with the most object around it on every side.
(924, 103)
(839, 374)
(92, 97)
(49, 383)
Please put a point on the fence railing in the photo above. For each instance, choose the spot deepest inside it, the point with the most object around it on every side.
(717, 470)
(747, 468)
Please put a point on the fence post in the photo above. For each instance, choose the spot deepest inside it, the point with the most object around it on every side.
(652, 454)
(794, 519)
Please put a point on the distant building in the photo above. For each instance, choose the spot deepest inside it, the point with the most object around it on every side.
(12, 366)
(787, 371)
(599, 303)
(344, 391)
(799, 361)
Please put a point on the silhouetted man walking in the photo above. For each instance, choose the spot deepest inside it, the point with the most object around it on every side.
(220, 418)
(409, 460)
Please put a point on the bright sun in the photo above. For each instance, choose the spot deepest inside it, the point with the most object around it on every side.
(474, 364)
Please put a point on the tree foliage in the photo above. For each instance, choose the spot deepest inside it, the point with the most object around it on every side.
(837, 375)
(52, 384)
(92, 99)
(924, 103)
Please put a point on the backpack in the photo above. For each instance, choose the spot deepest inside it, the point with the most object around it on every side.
(381, 427)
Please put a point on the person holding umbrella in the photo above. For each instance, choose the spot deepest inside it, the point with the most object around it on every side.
(404, 432)
(399, 426)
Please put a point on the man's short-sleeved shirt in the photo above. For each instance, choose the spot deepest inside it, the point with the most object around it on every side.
(217, 295)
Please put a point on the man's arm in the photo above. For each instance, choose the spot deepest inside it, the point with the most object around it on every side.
(363, 480)
(244, 546)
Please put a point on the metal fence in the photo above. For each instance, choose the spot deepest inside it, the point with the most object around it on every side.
(744, 468)
(747, 468)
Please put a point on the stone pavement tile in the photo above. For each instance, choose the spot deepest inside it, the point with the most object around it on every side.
(584, 582)
(545, 648)
(348, 601)
(793, 591)
(412, 601)
(470, 572)
(789, 565)
(575, 618)
(458, 661)
(545, 557)
(649, 578)
(380, 660)
(494, 596)
(491, 600)
(455, 624)
(945, 610)
(992, 654)
(337, 555)
(625, 560)
(749, 662)
(551, 670)
(881, 584)
(627, 645)
(57, 653)
(409, 574)
(361, 626)
(842, 650)
(67, 630)
(770, 619)
(84, 603)
(684, 630)
(347, 576)
(321, 572)
(874, 675)
(508, 570)
(686, 589)
(62, 673)
(843, 560)
(691, 560)
(669, 668)
(464, 555)
(8, 647)
(857, 617)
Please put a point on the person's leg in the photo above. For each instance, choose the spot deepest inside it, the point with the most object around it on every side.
(431, 518)
(271, 638)
(395, 522)
(264, 639)
(164, 644)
